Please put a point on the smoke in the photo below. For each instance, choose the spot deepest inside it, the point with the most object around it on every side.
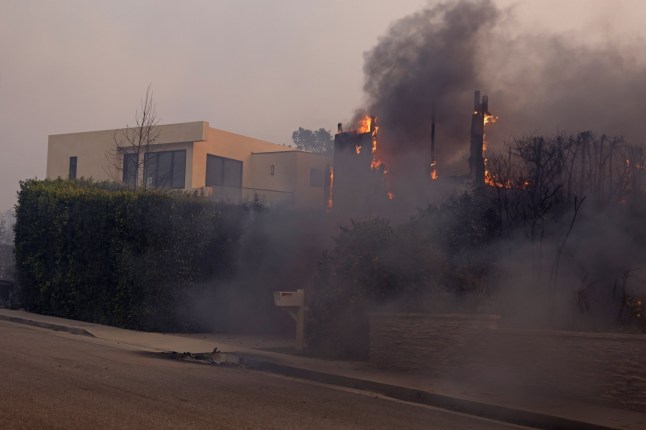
(433, 60)
(430, 63)
(278, 251)
(427, 62)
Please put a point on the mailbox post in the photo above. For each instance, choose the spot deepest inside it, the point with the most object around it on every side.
(293, 302)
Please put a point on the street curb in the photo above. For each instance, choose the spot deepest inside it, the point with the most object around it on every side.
(50, 326)
(469, 407)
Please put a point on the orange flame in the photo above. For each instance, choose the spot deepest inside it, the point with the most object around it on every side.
(488, 178)
(329, 200)
(364, 124)
(434, 175)
(489, 119)
(375, 163)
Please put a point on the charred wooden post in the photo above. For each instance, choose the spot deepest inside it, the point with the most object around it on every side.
(476, 159)
(432, 173)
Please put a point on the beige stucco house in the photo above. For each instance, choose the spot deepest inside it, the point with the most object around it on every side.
(195, 157)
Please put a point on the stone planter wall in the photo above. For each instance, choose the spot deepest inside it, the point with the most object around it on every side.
(604, 368)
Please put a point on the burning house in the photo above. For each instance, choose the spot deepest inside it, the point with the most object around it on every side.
(357, 179)
(359, 183)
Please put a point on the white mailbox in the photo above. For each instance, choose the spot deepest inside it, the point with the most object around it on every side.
(289, 298)
(294, 303)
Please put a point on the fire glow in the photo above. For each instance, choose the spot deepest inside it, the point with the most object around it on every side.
(368, 124)
(488, 178)
(329, 200)
(365, 124)
(434, 175)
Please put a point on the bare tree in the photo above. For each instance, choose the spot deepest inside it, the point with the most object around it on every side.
(131, 144)
(7, 221)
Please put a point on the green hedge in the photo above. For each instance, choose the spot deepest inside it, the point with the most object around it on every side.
(134, 259)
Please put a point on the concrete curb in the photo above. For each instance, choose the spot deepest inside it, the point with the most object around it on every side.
(500, 413)
(50, 326)
(469, 407)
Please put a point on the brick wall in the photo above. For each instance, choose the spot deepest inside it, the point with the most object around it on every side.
(604, 368)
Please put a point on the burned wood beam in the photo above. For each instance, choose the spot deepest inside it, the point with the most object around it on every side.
(476, 159)
(432, 174)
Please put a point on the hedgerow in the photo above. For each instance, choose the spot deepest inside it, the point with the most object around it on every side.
(130, 258)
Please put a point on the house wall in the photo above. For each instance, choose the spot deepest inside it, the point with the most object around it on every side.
(306, 194)
(602, 368)
(95, 150)
(228, 145)
(276, 188)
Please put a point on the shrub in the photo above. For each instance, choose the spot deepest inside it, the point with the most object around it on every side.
(420, 266)
(134, 259)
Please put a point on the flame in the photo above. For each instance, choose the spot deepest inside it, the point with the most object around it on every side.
(329, 199)
(488, 178)
(434, 174)
(365, 124)
(489, 119)
(375, 163)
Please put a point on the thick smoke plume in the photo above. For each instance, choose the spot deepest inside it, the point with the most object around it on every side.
(538, 84)
(433, 60)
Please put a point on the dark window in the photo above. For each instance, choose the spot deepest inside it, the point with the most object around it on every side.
(316, 177)
(222, 171)
(130, 162)
(72, 174)
(165, 169)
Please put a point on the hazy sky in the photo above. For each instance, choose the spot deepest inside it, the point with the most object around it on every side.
(257, 67)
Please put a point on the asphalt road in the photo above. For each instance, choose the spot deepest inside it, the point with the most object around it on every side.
(52, 380)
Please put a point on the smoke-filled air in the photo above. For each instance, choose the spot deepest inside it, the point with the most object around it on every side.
(432, 61)
(471, 237)
(550, 234)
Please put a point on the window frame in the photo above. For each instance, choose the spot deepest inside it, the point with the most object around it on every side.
(222, 180)
(128, 166)
(73, 168)
(154, 180)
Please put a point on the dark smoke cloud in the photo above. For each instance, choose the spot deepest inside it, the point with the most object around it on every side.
(436, 58)
(428, 61)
